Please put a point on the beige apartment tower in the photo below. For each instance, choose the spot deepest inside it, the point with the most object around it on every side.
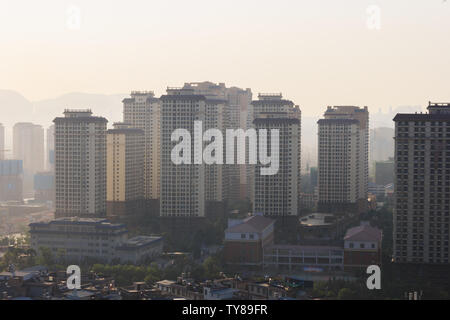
(276, 195)
(343, 159)
(226, 108)
(80, 164)
(273, 105)
(125, 149)
(143, 111)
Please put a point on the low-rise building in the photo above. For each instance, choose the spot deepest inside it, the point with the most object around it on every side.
(246, 239)
(77, 239)
(362, 247)
(303, 258)
(22, 275)
(266, 291)
(182, 288)
(321, 228)
(137, 248)
(219, 293)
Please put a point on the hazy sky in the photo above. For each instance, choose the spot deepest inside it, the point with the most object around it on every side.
(317, 52)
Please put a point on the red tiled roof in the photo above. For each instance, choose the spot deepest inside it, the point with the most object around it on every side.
(363, 233)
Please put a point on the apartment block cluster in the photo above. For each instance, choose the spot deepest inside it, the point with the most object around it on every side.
(128, 170)
(99, 172)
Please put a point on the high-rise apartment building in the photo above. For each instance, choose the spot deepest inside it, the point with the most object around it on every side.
(226, 109)
(28, 146)
(182, 185)
(240, 100)
(217, 116)
(274, 106)
(343, 159)
(143, 111)
(276, 195)
(422, 186)
(125, 149)
(80, 164)
(217, 176)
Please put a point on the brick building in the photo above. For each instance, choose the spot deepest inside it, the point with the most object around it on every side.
(362, 247)
(246, 239)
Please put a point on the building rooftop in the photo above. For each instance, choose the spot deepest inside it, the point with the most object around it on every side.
(77, 112)
(79, 115)
(100, 222)
(270, 96)
(143, 93)
(438, 105)
(317, 219)
(251, 224)
(150, 98)
(280, 102)
(363, 233)
(437, 111)
(183, 96)
(422, 117)
(166, 282)
(344, 110)
(26, 275)
(139, 241)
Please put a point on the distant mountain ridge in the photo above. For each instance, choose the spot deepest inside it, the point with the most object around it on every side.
(16, 108)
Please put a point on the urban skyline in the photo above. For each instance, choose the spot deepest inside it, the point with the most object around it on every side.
(249, 152)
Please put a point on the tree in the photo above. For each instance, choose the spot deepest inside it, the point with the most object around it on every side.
(198, 272)
(347, 294)
(45, 257)
(320, 289)
(212, 267)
